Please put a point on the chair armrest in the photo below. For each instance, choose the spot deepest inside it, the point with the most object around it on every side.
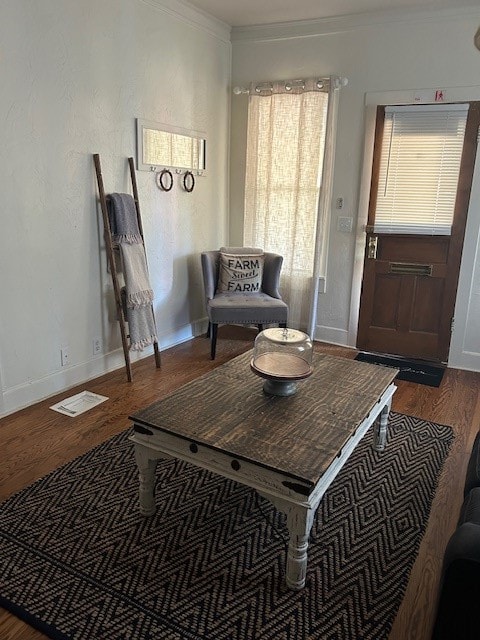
(472, 478)
(210, 272)
(271, 274)
(457, 605)
(464, 545)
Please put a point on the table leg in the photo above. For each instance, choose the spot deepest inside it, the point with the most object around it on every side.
(380, 428)
(299, 523)
(146, 472)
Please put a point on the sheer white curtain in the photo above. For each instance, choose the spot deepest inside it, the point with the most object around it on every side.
(287, 125)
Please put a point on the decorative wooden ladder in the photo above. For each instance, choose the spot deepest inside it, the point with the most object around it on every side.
(112, 264)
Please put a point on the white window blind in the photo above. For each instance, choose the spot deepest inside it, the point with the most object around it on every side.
(419, 168)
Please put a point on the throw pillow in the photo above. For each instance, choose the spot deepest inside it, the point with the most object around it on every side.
(240, 273)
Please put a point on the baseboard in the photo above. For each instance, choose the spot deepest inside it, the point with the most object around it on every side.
(331, 335)
(24, 395)
(466, 360)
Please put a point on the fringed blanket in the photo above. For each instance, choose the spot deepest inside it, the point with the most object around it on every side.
(142, 327)
(138, 292)
(135, 273)
(122, 215)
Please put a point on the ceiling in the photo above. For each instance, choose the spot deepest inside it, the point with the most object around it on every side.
(240, 13)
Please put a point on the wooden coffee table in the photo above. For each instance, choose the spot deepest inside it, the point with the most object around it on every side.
(288, 449)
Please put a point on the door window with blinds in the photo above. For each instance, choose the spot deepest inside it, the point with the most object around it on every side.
(419, 168)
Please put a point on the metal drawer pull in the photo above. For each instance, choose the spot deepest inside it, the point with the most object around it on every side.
(408, 269)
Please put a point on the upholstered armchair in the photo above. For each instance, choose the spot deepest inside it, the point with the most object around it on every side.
(241, 287)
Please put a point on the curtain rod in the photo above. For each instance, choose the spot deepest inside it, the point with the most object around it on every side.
(339, 82)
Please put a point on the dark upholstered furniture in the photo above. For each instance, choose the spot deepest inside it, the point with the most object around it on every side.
(459, 600)
(258, 308)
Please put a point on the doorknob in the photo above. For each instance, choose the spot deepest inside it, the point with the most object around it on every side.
(372, 247)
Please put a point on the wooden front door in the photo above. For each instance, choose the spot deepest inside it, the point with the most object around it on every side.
(410, 281)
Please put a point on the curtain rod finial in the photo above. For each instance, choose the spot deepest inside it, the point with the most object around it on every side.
(239, 90)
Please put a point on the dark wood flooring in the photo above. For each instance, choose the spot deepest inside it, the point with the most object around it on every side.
(36, 440)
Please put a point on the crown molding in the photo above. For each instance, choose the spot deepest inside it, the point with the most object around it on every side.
(188, 14)
(340, 24)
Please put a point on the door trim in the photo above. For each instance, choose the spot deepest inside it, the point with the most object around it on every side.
(372, 101)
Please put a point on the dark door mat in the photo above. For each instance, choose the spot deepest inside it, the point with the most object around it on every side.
(410, 370)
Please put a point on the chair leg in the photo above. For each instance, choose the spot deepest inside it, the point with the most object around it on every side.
(282, 325)
(213, 336)
(260, 327)
(208, 329)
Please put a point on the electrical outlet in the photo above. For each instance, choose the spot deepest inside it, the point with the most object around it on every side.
(65, 355)
(97, 346)
(339, 203)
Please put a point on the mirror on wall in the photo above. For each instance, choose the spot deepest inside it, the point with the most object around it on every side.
(161, 146)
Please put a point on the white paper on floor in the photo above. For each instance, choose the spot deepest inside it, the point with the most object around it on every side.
(79, 403)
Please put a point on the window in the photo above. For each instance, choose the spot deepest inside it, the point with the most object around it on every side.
(419, 168)
(287, 125)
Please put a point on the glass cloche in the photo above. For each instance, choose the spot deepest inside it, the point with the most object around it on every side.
(282, 357)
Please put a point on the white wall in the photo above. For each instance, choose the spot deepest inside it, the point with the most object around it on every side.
(388, 52)
(75, 75)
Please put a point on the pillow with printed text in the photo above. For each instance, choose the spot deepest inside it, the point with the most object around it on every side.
(240, 273)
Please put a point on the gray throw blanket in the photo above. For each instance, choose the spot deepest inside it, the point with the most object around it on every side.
(138, 294)
(122, 215)
(141, 324)
(135, 273)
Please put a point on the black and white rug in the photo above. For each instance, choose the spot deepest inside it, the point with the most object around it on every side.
(77, 560)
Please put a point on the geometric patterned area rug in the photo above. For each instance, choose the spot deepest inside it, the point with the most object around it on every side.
(78, 561)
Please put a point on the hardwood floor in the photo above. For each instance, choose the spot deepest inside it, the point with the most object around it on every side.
(37, 440)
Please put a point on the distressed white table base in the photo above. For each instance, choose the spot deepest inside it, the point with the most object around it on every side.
(147, 465)
(381, 426)
(299, 509)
